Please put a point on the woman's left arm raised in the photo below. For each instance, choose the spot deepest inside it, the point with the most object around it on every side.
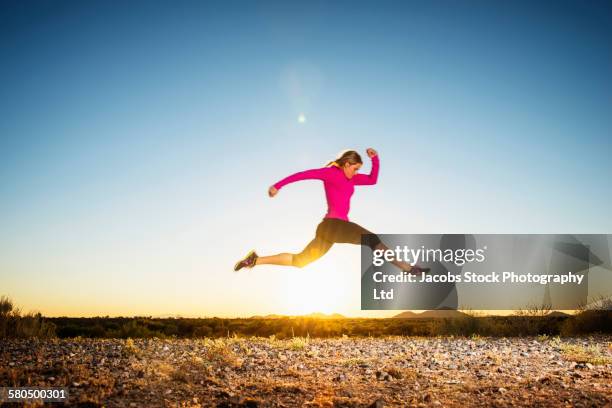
(369, 179)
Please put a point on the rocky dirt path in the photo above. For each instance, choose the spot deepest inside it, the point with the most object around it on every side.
(343, 372)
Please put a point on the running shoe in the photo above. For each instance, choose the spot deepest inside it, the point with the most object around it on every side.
(246, 262)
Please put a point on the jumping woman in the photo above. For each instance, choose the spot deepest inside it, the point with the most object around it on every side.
(339, 179)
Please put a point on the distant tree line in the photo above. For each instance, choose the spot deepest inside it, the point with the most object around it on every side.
(587, 322)
(13, 324)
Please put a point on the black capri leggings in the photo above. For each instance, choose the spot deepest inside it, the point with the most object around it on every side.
(330, 231)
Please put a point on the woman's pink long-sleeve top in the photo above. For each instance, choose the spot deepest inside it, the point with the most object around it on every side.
(338, 188)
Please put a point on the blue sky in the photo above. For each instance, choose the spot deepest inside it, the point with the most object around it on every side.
(138, 140)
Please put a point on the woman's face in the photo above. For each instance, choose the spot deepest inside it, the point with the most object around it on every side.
(351, 169)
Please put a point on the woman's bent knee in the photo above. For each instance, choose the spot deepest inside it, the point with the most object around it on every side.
(371, 240)
(299, 261)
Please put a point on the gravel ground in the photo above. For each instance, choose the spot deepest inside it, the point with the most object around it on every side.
(342, 372)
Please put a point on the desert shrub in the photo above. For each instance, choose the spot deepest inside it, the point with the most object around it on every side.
(588, 321)
(133, 329)
(297, 343)
(596, 317)
(581, 354)
(130, 348)
(220, 352)
(460, 326)
(14, 324)
(521, 325)
(6, 309)
(534, 310)
(202, 331)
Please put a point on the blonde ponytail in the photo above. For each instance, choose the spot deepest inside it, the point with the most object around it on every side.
(346, 156)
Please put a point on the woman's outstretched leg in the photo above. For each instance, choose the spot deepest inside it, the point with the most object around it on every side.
(313, 251)
(283, 258)
(287, 259)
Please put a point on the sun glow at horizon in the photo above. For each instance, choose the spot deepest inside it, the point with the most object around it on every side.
(322, 287)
